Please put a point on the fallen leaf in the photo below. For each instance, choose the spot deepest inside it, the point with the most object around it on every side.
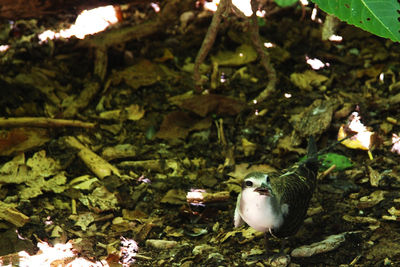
(178, 124)
(242, 55)
(373, 199)
(285, 145)
(315, 119)
(242, 169)
(100, 200)
(135, 112)
(248, 147)
(21, 139)
(307, 80)
(361, 135)
(144, 73)
(175, 197)
(205, 104)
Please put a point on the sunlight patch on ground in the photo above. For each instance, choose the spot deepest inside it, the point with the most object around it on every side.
(242, 5)
(315, 63)
(66, 255)
(335, 38)
(88, 22)
(269, 45)
(4, 48)
(360, 134)
(363, 135)
(58, 255)
(156, 7)
(396, 144)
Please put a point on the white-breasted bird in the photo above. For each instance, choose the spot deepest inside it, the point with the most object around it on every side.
(277, 202)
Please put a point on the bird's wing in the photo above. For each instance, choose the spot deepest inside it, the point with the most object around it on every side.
(296, 193)
(237, 220)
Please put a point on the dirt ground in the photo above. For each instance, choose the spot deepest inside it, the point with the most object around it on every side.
(159, 144)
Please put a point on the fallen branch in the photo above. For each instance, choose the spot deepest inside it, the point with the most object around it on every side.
(90, 90)
(326, 172)
(222, 11)
(43, 122)
(99, 166)
(225, 8)
(10, 214)
(204, 197)
(168, 15)
(264, 56)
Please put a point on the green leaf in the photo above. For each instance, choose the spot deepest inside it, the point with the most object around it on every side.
(261, 22)
(380, 17)
(329, 159)
(285, 3)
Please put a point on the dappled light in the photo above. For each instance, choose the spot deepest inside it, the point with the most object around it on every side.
(315, 63)
(87, 22)
(360, 137)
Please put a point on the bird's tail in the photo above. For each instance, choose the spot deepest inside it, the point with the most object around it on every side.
(312, 156)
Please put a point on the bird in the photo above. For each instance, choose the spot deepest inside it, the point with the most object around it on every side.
(277, 202)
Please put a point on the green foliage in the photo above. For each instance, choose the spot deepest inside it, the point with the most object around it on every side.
(377, 17)
(285, 3)
(329, 159)
(261, 22)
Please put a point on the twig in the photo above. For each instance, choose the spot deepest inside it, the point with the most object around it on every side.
(90, 90)
(264, 56)
(204, 197)
(43, 122)
(209, 39)
(99, 166)
(326, 172)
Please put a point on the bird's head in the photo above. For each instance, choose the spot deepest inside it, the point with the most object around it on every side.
(258, 182)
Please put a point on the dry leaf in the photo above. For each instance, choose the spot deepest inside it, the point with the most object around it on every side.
(285, 145)
(135, 112)
(361, 138)
(21, 139)
(315, 119)
(205, 104)
(307, 80)
(175, 197)
(178, 124)
(143, 73)
(248, 147)
(244, 54)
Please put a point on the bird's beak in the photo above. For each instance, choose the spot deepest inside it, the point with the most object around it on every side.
(262, 191)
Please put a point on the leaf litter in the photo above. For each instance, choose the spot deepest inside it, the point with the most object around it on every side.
(158, 171)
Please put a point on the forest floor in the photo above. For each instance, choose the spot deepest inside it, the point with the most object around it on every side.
(127, 187)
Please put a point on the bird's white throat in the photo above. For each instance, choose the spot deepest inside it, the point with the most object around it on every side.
(260, 211)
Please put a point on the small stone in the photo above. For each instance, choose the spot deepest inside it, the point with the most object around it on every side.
(161, 244)
(330, 243)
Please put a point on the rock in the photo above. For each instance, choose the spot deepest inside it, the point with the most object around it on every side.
(330, 243)
(161, 244)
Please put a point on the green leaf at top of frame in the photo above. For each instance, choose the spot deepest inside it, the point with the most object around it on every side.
(380, 17)
(285, 3)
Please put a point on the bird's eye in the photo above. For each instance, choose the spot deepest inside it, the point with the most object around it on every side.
(248, 183)
(267, 178)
